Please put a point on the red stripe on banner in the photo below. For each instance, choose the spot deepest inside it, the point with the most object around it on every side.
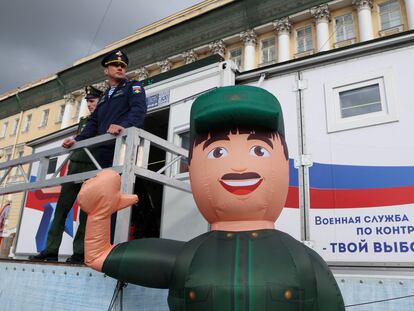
(64, 169)
(358, 198)
(37, 199)
(75, 210)
(292, 200)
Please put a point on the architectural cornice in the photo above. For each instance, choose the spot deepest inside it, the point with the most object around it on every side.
(248, 37)
(321, 12)
(362, 4)
(189, 56)
(282, 25)
(79, 93)
(142, 73)
(69, 98)
(218, 47)
(165, 65)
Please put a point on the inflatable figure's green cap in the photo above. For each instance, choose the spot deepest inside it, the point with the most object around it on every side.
(236, 106)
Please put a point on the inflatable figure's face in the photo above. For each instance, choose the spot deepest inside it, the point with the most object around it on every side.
(239, 177)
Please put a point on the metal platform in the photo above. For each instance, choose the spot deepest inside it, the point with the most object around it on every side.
(63, 287)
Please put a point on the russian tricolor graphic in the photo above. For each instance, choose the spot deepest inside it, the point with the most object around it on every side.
(351, 186)
(44, 201)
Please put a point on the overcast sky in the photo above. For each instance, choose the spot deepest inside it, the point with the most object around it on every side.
(41, 37)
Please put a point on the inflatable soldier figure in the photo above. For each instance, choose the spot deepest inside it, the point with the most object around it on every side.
(239, 171)
(79, 162)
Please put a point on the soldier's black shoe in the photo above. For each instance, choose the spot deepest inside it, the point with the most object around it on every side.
(75, 259)
(43, 256)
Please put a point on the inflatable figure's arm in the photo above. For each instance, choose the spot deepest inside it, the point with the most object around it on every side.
(328, 292)
(100, 198)
(146, 262)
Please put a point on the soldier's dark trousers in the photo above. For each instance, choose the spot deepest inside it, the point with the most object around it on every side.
(67, 197)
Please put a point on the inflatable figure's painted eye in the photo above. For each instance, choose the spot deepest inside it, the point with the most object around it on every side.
(218, 152)
(258, 151)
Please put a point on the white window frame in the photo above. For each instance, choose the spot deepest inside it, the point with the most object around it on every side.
(268, 61)
(297, 39)
(4, 128)
(336, 30)
(44, 118)
(177, 141)
(27, 121)
(61, 113)
(241, 57)
(380, 15)
(15, 127)
(389, 112)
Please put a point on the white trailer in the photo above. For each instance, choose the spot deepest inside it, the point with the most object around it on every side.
(348, 117)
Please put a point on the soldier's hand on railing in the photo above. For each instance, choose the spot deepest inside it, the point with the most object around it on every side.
(115, 129)
(68, 142)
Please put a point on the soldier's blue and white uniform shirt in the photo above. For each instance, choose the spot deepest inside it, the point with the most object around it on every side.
(125, 106)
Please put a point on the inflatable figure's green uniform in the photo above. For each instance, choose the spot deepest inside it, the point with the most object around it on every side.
(230, 271)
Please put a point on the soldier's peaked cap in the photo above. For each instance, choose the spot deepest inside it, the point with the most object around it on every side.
(92, 92)
(116, 56)
(236, 106)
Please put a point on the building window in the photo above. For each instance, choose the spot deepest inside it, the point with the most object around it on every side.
(15, 126)
(45, 116)
(4, 129)
(304, 39)
(236, 56)
(51, 169)
(390, 14)
(367, 101)
(60, 115)
(268, 51)
(344, 26)
(363, 100)
(27, 121)
(8, 153)
(185, 143)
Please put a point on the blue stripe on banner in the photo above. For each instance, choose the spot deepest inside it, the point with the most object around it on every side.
(332, 176)
(293, 174)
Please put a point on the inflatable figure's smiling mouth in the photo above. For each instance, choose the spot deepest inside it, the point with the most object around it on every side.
(241, 184)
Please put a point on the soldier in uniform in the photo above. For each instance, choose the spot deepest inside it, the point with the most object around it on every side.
(79, 162)
(239, 171)
(122, 105)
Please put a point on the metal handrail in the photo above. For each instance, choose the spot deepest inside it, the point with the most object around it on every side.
(43, 157)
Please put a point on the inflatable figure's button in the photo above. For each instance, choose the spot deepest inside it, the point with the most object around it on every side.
(255, 234)
(288, 294)
(229, 235)
(192, 295)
